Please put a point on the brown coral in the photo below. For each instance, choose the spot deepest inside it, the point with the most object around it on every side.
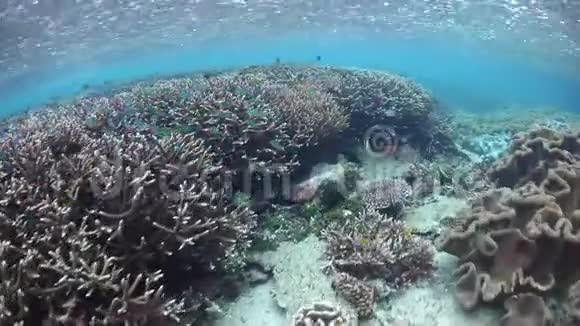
(523, 237)
(355, 291)
(526, 310)
(113, 198)
(379, 247)
(375, 247)
(92, 222)
(307, 110)
(386, 195)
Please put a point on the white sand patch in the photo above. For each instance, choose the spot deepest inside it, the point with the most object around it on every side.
(253, 308)
(298, 280)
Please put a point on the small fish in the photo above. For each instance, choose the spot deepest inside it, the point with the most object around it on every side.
(318, 58)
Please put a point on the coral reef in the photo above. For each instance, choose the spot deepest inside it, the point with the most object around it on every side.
(355, 291)
(112, 206)
(379, 247)
(96, 225)
(522, 235)
(308, 110)
(322, 314)
(386, 195)
(373, 246)
(371, 98)
(574, 300)
(298, 276)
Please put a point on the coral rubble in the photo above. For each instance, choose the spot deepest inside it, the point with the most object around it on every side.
(522, 236)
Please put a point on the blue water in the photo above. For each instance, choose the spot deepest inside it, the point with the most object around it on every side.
(459, 75)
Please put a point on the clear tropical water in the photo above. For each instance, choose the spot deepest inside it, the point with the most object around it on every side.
(475, 54)
(411, 114)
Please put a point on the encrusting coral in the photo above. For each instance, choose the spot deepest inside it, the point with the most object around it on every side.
(524, 235)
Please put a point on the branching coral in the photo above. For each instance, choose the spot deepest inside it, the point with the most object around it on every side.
(523, 237)
(371, 97)
(92, 222)
(307, 110)
(355, 291)
(106, 201)
(255, 127)
(377, 247)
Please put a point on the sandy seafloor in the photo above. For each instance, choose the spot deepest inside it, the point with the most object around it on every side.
(299, 277)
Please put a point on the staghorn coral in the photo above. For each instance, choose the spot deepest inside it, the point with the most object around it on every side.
(137, 178)
(373, 97)
(375, 247)
(260, 121)
(322, 314)
(307, 110)
(379, 247)
(255, 127)
(368, 93)
(521, 237)
(94, 222)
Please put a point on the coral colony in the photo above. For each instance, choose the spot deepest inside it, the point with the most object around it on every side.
(143, 206)
(519, 241)
(113, 207)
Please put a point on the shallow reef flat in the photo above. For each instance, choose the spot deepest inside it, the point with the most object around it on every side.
(286, 195)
